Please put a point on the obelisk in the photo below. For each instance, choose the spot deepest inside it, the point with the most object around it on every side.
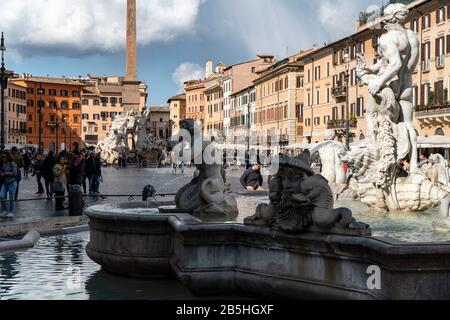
(131, 94)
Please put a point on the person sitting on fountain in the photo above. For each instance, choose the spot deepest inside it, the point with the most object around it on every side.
(252, 178)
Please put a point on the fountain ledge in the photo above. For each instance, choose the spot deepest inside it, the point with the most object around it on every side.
(238, 259)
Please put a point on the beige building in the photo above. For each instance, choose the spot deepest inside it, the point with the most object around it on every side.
(236, 78)
(159, 124)
(213, 125)
(16, 111)
(279, 103)
(177, 105)
(102, 101)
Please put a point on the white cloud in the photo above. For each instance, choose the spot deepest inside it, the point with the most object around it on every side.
(77, 27)
(187, 71)
(338, 17)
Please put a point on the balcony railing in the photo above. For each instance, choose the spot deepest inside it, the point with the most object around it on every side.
(91, 138)
(341, 124)
(440, 62)
(426, 65)
(339, 92)
(433, 109)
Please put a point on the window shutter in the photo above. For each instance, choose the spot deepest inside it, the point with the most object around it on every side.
(437, 16)
(448, 43)
(448, 11)
(436, 48)
(422, 94)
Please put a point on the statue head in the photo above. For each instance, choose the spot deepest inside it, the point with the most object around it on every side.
(329, 135)
(395, 13)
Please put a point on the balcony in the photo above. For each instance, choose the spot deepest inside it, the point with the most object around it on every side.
(426, 65)
(433, 111)
(341, 124)
(440, 62)
(340, 92)
(17, 131)
(91, 139)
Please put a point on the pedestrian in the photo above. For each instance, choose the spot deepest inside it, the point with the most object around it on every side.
(17, 158)
(96, 174)
(47, 172)
(60, 182)
(9, 185)
(26, 164)
(37, 172)
(252, 178)
(76, 168)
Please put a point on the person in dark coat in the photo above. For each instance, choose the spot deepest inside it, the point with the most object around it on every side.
(47, 172)
(37, 171)
(252, 178)
(76, 169)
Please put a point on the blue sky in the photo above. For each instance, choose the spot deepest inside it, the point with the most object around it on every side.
(176, 37)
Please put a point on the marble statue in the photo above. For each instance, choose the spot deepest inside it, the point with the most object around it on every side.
(381, 183)
(206, 193)
(333, 166)
(301, 201)
(134, 124)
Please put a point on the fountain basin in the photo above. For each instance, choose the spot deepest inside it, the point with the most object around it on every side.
(217, 258)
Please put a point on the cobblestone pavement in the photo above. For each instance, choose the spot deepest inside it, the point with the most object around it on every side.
(129, 181)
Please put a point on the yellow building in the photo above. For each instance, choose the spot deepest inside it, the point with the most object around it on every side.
(195, 100)
(213, 125)
(177, 106)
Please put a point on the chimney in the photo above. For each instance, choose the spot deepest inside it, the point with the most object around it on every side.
(209, 69)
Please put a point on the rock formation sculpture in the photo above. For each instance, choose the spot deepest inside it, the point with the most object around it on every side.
(302, 201)
(206, 193)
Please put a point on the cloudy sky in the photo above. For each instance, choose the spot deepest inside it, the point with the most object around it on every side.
(176, 37)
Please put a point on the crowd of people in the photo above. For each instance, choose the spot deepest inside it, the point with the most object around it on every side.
(55, 174)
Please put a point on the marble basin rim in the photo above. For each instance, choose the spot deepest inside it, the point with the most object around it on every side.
(232, 258)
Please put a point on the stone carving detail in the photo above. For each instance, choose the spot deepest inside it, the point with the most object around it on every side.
(206, 193)
(381, 184)
(134, 124)
(302, 201)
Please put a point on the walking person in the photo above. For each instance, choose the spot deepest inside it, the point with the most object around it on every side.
(17, 158)
(9, 185)
(96, 174)
(26, 164)
(47, 172)
(37, 171)
(60, 182)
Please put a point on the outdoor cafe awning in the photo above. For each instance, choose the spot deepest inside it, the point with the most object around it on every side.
(438, 142)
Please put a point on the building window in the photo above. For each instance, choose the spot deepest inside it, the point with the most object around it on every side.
(85, 102)
(64, 104)
(52, 104)
(30, 90)
(104, 127)
(76, 93)
(415, 25)
(113, 101)
(52, 92)
(30, 103)
(440, 15)
(41, 91)
(76, 106)
(426, 21)
(85, 116)
(64, 93)
(96, 116)
(96, 102)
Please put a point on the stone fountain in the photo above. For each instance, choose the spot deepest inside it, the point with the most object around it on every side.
(378, 180)
(297, 245)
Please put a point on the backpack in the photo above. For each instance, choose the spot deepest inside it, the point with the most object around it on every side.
(19, 175)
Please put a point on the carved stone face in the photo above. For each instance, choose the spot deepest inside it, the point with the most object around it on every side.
(396, 13)
(291, 179)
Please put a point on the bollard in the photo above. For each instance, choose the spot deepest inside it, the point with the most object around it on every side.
(75, 201)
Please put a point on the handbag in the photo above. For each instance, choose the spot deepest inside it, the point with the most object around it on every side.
(57, 187)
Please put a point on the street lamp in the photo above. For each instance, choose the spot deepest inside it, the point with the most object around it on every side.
(57, 131)
(41, 149)
(4, 85)
(347, 108)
